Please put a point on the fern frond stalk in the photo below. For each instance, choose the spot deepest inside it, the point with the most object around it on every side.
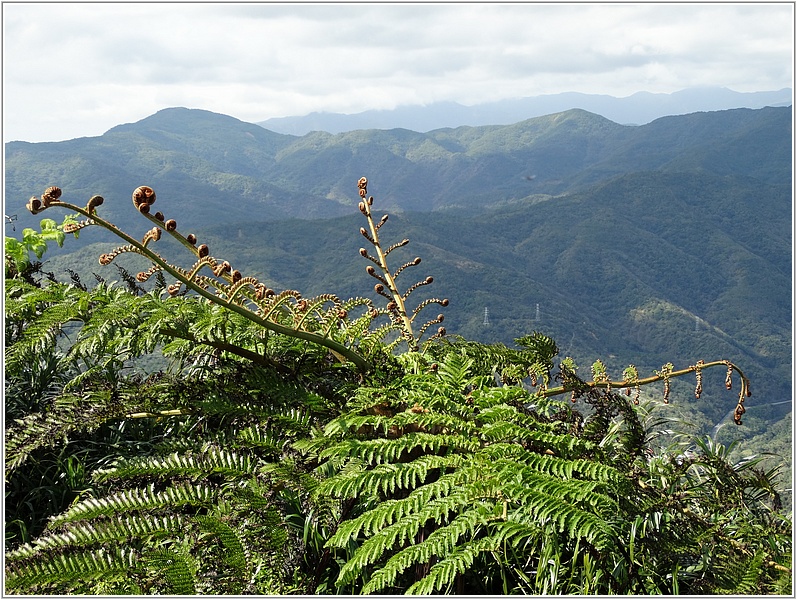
(665, 375)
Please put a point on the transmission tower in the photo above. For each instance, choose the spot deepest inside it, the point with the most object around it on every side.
(486, 316)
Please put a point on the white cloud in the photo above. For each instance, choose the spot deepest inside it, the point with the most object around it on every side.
(73, 69)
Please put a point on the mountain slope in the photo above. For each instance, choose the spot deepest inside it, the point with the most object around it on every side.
(647, 267)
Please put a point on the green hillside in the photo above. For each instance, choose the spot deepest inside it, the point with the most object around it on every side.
(217, 168)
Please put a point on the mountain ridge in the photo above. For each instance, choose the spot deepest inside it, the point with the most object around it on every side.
(235, 169)
(637, 109)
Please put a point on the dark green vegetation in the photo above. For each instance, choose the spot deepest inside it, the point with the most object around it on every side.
(264, 461)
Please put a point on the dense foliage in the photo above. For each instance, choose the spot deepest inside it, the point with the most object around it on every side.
(316, 445)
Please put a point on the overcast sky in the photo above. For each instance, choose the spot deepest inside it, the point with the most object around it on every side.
(77, 69)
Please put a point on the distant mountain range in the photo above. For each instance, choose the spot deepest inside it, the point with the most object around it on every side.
(637, 109)
(214, 167)
(669, 241)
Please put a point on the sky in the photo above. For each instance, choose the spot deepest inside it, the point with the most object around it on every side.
(77, 69)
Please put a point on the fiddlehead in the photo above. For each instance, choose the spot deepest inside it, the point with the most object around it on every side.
(401, 318)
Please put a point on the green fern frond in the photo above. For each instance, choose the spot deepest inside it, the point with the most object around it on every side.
(439, 544)
(176, 568)
(555, 466)
(591, 494)
(401, 532)
(236, 553)
(71, 413)
(380, 450)
(137, 499)
(388, 477)
(402, 421)
(444, 572)
(59, 568)
(561, 445)
(88, 533)
(543, 508)
(266, 440)
(210, 460)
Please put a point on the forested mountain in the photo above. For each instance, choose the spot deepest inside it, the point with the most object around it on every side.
(236, 171)
(668, 241)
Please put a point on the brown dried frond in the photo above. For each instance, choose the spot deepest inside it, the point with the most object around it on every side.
(261, 291)
(403, 242)
(153, 235)
(221, 268)
(73, 227)
(413, 263)
(372, 272)
(415, 286)
(145, 275)
(107, 258)
(699, 379)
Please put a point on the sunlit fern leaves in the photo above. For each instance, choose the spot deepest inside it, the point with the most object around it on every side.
(80, 567)
(101, 531)
(455, 459)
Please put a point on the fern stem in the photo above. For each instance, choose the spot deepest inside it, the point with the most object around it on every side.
(388, 278)
(172, 412)
(227, 347)
(664, 376)
(555, 391)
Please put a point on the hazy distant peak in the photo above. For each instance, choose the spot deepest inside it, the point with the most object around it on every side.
(638, 109)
